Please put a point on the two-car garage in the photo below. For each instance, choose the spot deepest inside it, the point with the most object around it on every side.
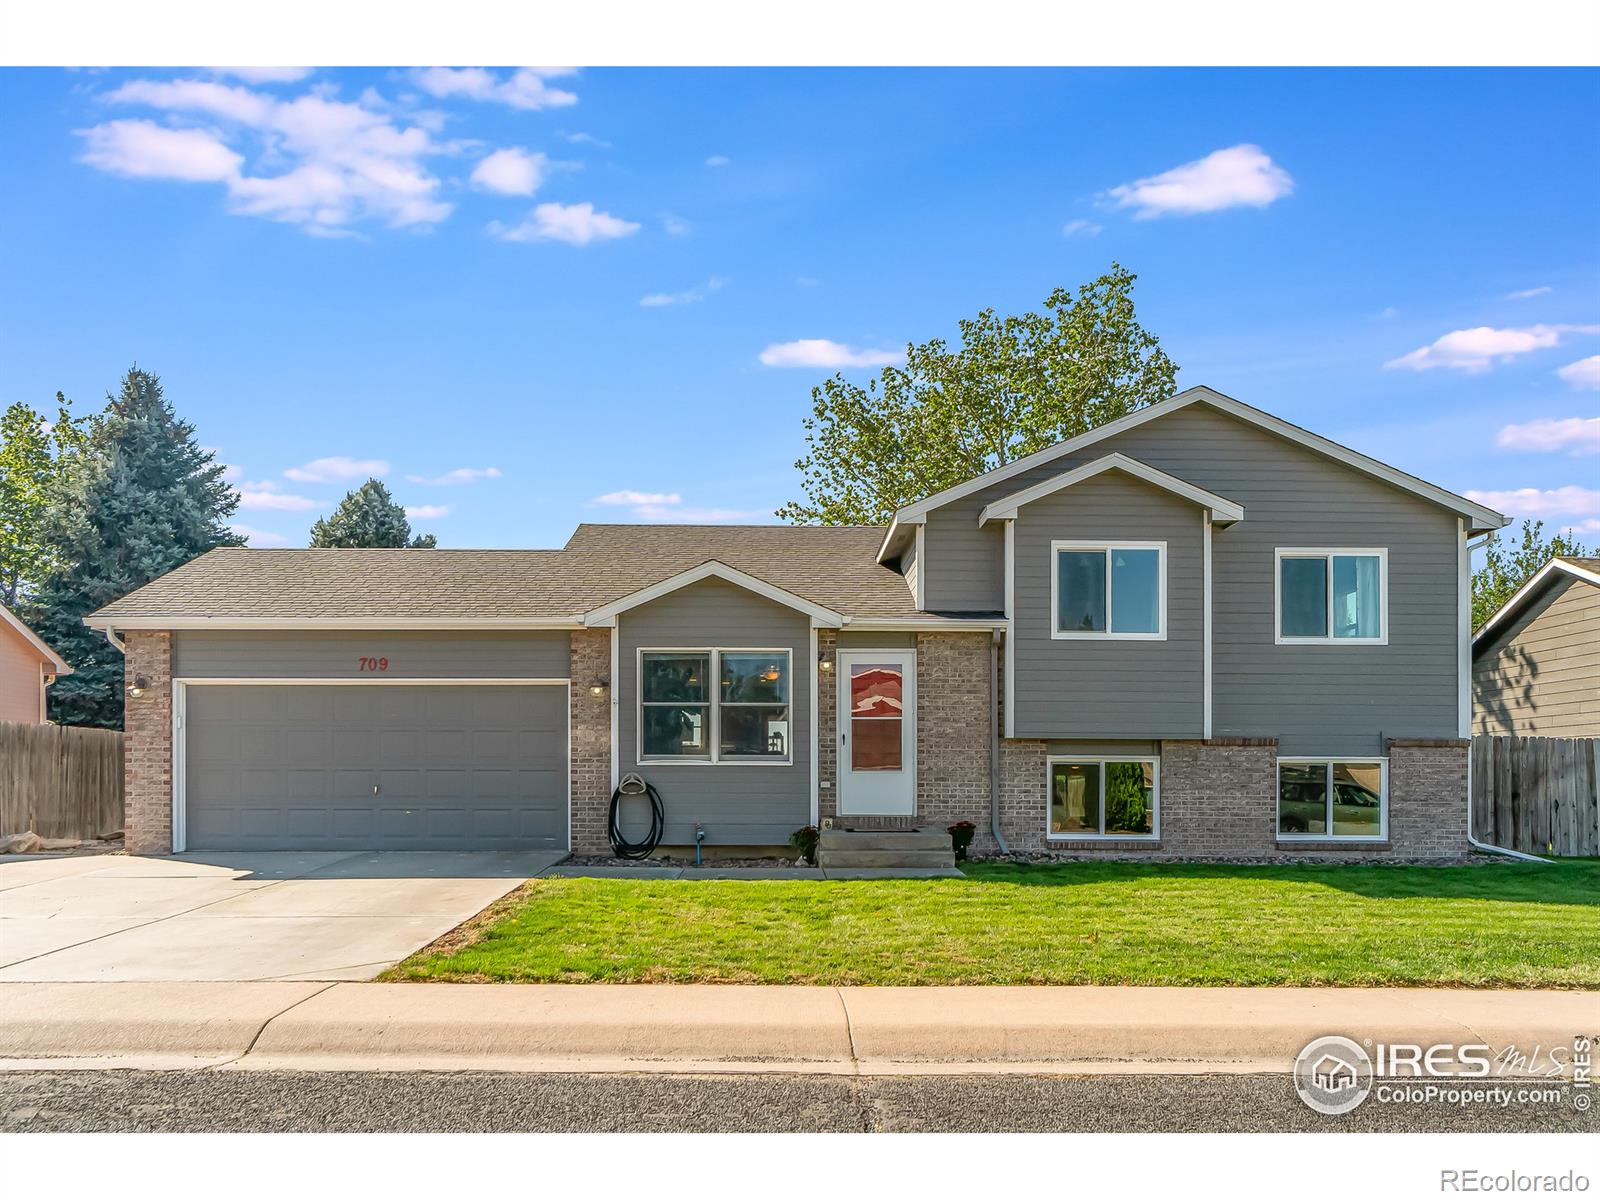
(405, 758)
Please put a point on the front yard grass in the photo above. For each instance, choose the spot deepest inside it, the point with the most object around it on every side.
(1094, 923)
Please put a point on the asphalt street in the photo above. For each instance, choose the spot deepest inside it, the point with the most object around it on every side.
(249, 1101)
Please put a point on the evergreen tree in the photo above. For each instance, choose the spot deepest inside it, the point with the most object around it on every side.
(1504, 571)
(368, 518)
(136, 499)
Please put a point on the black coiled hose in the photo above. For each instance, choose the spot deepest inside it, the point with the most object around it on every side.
(634, 786)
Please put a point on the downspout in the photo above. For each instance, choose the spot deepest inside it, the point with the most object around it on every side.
(111, 636)
(994, 743)
(1471, 840)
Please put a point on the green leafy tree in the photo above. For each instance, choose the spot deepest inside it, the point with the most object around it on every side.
(1126, 805)
(32, 455)
(1015, 385)
(368, 518)
(136, 497)
(1506, 569)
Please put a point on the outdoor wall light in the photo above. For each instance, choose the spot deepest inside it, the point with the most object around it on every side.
(824, 663)
(137, 687)
(599, 687)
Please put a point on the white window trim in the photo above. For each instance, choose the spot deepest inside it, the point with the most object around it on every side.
(713, 757)
(1102, 759)
(1327, 760)
(1283, 552)
(1108, 545)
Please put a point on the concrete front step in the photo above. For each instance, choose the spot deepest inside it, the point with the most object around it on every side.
(830, 860)
(884, 839)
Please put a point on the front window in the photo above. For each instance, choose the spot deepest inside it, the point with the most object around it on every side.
(745, 717)
(1332, 798)
(1109, 798)
(1332, 596)
(1109, 591)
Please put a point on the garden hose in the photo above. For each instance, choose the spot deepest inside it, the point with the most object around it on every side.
(633, 785)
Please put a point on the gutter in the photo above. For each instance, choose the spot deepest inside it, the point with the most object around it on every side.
(994, 744)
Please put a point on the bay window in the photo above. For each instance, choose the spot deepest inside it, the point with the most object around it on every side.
(714, 706)
(1332, 596)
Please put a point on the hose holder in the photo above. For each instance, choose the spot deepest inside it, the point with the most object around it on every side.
(635, 785)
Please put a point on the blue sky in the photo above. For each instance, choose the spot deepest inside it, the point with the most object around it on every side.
(537, 298)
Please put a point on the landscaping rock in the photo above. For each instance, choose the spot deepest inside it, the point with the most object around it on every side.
(60, 843)
(21, 843)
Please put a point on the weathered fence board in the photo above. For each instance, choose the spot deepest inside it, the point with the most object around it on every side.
(1537, 794)
(60, 782)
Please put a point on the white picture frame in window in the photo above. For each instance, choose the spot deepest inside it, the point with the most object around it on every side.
(1102, 635)
(1327, 553)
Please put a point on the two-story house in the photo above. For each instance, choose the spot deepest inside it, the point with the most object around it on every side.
(1195, 632)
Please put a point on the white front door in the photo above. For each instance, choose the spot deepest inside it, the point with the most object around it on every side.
(877, 733)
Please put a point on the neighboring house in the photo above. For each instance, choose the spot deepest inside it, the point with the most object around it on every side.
(27, 668)
(1536, 662)
(1197, 631)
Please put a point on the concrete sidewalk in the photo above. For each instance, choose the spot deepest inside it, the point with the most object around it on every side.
(641, 1027)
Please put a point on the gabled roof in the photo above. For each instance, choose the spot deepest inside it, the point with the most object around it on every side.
(46, 655)
(1223, 510)
(819, 615)
(1478, 516)
(1586, 569)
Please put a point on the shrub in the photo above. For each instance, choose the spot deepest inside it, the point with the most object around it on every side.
(961, 838)
(804, 843)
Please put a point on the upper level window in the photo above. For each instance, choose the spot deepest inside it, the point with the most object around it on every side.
(743, 718)
(1333, 596)
(1109, 590)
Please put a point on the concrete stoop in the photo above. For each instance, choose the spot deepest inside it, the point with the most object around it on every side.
(847, 848)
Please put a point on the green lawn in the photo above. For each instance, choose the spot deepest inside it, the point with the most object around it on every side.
(1495, 925)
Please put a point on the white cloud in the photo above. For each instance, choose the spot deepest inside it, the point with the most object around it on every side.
(1576, 435)
(320, 162)
(692, 296)
(1238, 176)
(260, 75)
(459, 476)
(807, 281)
(337, 467)
(1548, 503)
(1585, 373)
(259, 537)
(511, 172)
(585, 139)
(717, 160)
(231, 473)
(524, 88)
(668, 507)
(1079, 227)
(675, 225)
(575, 224)
(1476, 350)
(268, 495)
(1390, 313)
(820, 352)
(426, 512)
(146, 150)
(1529, 293)
(627, 497)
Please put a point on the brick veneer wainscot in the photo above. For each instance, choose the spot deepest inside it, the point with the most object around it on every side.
(147, 744)
(590, 752)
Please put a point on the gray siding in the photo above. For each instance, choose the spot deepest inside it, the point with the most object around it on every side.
(865, 639)
(738, 804)
(323, 654)
(1541, 677)
(910, 567)
(1316, 699)
(1112, 688)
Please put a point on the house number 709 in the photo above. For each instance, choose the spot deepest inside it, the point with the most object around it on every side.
(374, 664)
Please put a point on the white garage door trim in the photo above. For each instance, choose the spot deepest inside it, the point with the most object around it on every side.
(180, 746)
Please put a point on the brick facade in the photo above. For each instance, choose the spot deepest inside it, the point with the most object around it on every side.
(590, 751)
(827, 724)
(954, 746)
(1428, 798)
(147, 745)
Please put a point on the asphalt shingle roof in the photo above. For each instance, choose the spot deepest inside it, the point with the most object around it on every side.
(832, 566)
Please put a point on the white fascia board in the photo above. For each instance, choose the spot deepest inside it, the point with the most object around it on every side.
(1522, 593)
(1222, 509)
(7, 617)
(898, 524)
(191, 622)
(719, 570)
(1478, 516)
(926, 624)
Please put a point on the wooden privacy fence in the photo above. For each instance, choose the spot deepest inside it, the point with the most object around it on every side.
(60, 782)
(1536, 794)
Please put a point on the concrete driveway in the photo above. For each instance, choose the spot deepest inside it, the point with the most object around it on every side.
(289, 916)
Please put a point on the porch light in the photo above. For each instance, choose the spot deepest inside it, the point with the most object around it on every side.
(138, 686)
(824, 663)
(599, 687)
